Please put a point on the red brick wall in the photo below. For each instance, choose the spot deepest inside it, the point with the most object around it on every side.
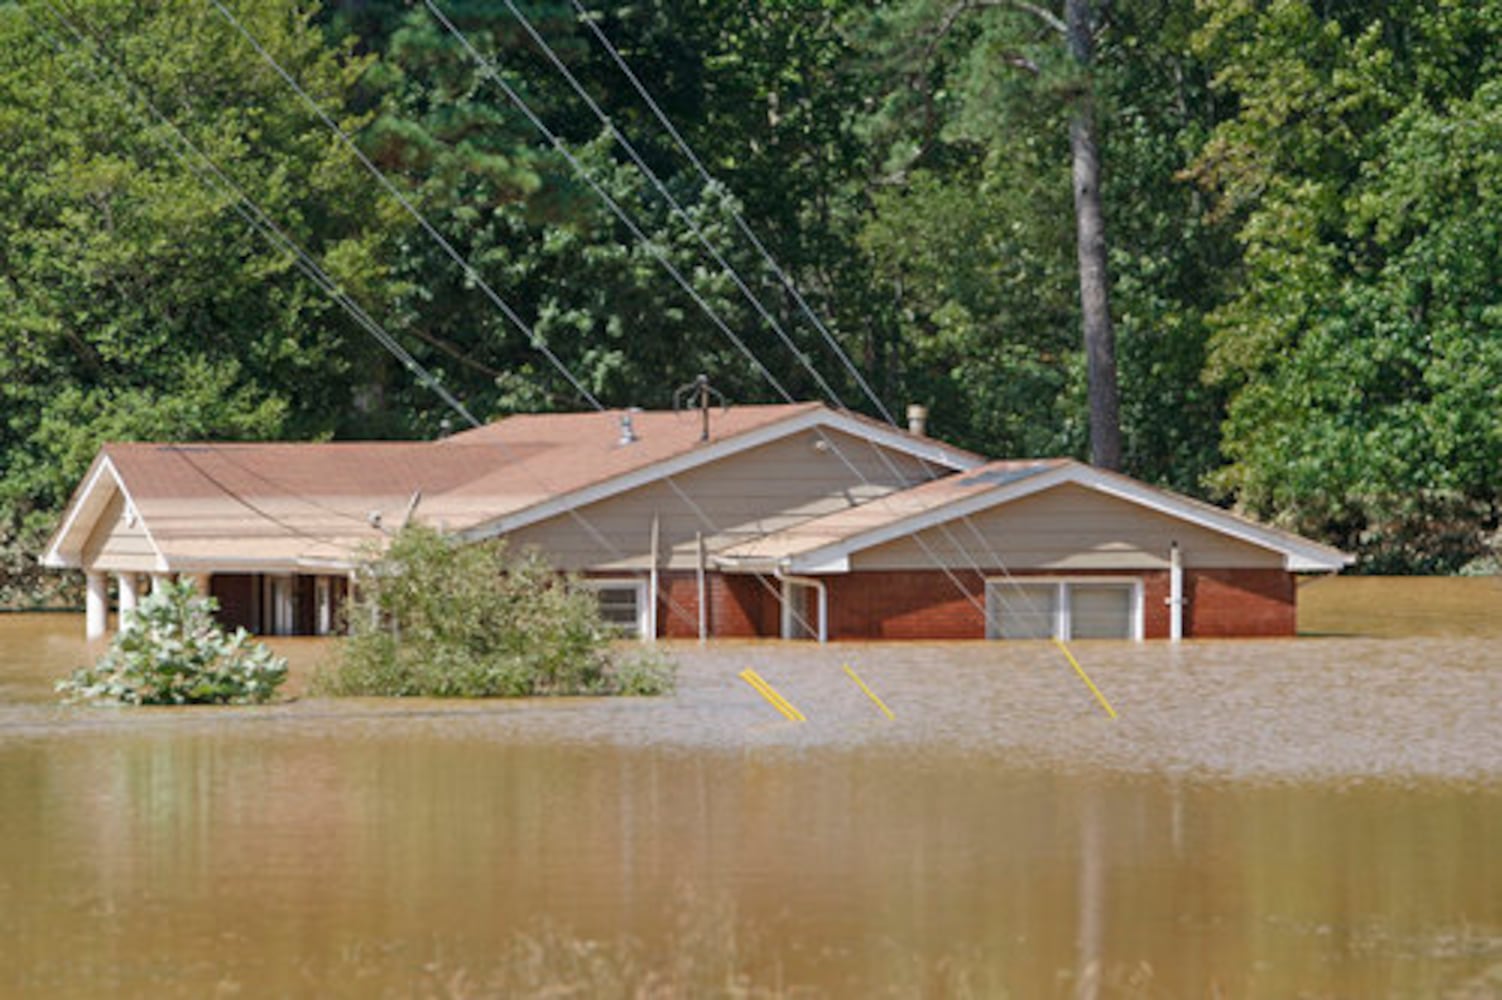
(932, 605)
(1240, 602)
(740, 606)
(900, 604)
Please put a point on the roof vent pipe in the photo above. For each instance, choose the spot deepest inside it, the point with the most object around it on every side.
(628, 430)
(917, 420)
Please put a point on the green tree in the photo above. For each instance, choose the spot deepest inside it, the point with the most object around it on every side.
(1363, 350)
(134, 302)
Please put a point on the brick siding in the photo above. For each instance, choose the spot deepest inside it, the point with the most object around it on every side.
(934, 605)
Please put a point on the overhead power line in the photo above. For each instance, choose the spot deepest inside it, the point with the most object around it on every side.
(787, 283)
(208, 173)
(487, 67)
(458, 258)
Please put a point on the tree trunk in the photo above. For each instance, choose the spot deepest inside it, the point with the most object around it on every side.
(1090, 229)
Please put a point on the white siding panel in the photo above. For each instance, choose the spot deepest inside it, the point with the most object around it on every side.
(117, 545)
(1067, 528)
(741, 498)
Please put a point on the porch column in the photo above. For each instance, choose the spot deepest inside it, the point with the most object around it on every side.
(201, 583)
(160, 580)
(96, 604)
(1175, 593)
(129, 585)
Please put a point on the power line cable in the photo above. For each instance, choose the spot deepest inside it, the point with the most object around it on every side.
(745, 229)
(211, 175)
(487, 68)
(647, 171)
(651, 247)
(470, 271)
(741, 224)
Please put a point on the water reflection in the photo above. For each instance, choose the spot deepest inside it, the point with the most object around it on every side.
(1267, 820)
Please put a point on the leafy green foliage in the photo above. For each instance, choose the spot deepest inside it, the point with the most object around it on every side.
(436, 617)
(1300, 198)
(1363, 349)
(170, 651)
(134, 302)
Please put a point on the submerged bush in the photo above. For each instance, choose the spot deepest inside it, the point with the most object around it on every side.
(433, 616)
(171, 651)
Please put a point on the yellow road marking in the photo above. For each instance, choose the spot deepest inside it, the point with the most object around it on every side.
(869, 693)
(770, 693)
(1085, 677)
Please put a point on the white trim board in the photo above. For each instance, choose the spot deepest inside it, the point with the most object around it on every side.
(925, 449)
(54, 559)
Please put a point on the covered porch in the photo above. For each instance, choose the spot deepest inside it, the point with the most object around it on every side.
(263, 603)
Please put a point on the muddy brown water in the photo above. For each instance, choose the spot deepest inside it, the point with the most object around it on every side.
(1315, 817)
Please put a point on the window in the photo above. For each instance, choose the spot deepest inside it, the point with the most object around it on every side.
(623, 604)
(1077, 608)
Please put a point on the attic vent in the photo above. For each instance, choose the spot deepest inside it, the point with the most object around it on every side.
(628, 430)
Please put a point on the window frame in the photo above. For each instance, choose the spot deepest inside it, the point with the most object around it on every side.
(634, 584)
(1062, 626)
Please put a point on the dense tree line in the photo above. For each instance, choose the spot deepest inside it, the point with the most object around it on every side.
(1301, 215)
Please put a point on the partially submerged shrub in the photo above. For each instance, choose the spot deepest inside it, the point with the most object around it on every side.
(433, 616)
(171, 651)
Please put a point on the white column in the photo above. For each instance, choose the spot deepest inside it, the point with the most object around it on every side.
(1175, 593)
(703, 590)
(129, 585)
(823, 592)
(96, 604)
(653, 583)
(787, 610)
(323, 601)
(159, 581)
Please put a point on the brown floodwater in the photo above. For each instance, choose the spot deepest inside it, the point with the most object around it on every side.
(1313, 817)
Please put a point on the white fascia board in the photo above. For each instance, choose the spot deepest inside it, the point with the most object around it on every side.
(929, 450)
(1299, 555)
(53, 558)
(251, 564)
(934, 453)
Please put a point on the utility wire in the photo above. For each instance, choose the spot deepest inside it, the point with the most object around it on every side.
(592, 23)
(469, 269)
(647, 171)
(209, 173)
(740, 221)
(487, 67)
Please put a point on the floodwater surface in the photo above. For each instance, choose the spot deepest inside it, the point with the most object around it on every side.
(1317, 817)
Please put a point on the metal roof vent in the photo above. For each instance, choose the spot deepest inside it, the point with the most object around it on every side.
(628, 430)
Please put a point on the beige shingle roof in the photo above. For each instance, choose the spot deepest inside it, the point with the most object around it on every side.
(836, 535)
(918, 501)
(320, 501)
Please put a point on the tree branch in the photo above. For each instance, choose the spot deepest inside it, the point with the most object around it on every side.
(1048, 17)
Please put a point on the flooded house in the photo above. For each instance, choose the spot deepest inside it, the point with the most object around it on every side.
(795, 520)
